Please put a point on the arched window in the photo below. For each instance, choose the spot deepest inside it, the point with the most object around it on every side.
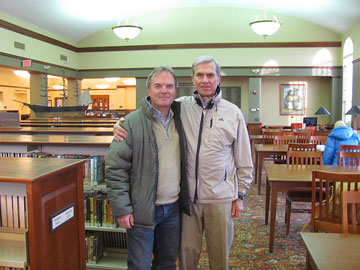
(347, 78)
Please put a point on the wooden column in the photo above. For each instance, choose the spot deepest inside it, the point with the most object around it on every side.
(38, 90)
(74, 90)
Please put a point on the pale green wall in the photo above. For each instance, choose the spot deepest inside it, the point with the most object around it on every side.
(36, 50)
(318, 95)
(184, 58)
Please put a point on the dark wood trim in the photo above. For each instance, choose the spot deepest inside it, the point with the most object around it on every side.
(356, 61)
(281, 67)
(223, 67)
(32, 34)
(211, 46)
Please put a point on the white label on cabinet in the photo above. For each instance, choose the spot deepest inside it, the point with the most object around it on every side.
(61, 217)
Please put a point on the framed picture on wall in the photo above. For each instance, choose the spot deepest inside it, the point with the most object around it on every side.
(292, 99)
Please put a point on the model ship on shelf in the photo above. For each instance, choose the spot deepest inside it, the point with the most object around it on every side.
(40, 111)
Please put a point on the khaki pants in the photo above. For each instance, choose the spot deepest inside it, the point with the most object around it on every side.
(216, 221)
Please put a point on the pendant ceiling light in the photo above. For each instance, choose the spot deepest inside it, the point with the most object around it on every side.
(127, 28)
(265, 26)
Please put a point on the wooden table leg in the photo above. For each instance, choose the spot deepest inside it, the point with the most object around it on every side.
(256, 166)
(267, 201)
(260, 166)
(273, 205)
(253, 150)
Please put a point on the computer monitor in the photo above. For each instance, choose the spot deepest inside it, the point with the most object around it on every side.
(310, 121)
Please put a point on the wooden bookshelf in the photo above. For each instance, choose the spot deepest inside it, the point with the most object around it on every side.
(50, 187)
(115, 255)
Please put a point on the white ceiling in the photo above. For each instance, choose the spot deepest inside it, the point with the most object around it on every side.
(77, 19)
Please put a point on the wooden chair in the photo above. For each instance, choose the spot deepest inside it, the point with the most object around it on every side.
(284, 139)
(302, 136)
(300, 158)
(346, 158)
(281, 140)
(326, 213)
(322, 132)
(297, 158)
(296, 126)
(276, 127)
(353, 198)
(288, 132)
(268, 136)
(351, 148)
(302, 146)
(317, 139)
(311, 129)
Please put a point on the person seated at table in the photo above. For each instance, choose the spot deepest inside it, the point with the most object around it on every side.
(341, 134)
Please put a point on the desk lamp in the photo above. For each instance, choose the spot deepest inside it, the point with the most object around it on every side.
(322, 111)
(354, 111)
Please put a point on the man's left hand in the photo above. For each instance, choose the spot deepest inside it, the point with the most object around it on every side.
(236, 207)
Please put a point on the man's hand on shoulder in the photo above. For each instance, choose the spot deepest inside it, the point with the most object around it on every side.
(119, 132)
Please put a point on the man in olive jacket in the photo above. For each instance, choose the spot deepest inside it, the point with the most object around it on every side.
(146, 176)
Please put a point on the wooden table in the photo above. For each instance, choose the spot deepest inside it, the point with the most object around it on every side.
(56, 124)
(78, 130)
(281, 178)
(70, 120)
(261, 152)
(55, 144)
(332, 251)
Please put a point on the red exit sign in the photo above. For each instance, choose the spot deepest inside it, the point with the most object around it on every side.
(26, 63)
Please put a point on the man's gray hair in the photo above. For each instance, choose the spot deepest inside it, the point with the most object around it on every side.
(156, 71)
(206, 59)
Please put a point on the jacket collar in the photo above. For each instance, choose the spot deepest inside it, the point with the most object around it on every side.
(211, 102)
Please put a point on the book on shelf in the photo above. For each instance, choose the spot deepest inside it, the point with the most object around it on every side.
(94, 247)
(97, 210)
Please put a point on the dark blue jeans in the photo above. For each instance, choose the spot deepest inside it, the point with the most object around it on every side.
(163, 242)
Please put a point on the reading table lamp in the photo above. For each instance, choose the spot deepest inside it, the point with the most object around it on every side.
(354, 111)
(322, 111)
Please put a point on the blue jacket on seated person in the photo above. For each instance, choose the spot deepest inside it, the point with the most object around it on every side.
(341, 134)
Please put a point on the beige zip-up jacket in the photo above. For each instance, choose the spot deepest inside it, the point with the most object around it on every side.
(219, 163)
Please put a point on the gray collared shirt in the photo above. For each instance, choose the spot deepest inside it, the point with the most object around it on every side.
(161, 117)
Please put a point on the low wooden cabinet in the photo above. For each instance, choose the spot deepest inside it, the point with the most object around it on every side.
(52, 191)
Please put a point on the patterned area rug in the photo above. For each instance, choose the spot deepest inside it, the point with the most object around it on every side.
(251, 240)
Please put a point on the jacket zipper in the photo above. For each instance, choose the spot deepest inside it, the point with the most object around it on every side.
(197, 158)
